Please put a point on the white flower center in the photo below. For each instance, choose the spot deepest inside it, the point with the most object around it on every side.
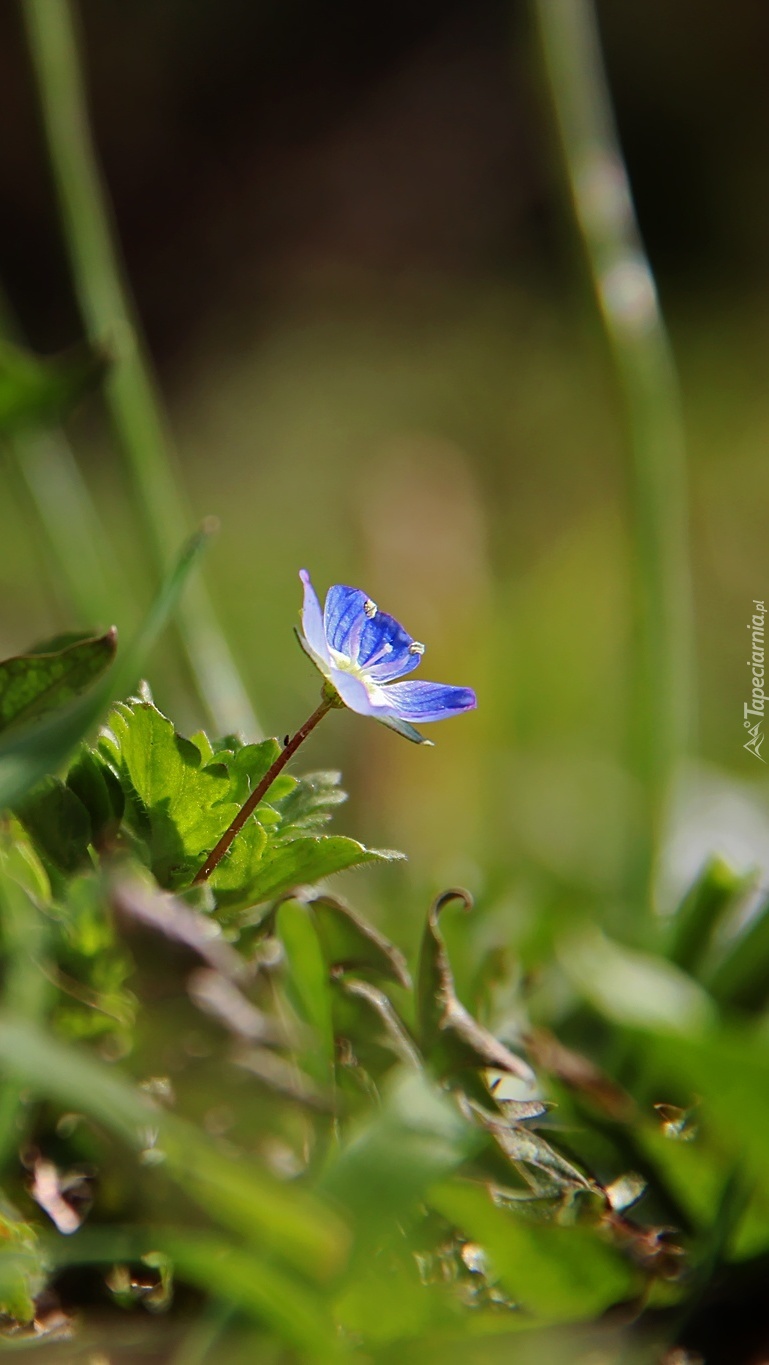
(377, 695)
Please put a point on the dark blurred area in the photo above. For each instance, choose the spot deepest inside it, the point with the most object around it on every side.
(251, 146)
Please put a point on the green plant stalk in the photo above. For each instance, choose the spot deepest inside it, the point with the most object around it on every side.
(109, 318)
(661, 635)
(51, 491)
(53, 496)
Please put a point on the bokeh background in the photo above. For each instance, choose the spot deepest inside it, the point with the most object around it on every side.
(353, 254)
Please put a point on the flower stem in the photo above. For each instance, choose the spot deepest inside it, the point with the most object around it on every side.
(260, 791)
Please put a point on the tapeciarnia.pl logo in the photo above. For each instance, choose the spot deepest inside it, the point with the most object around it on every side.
(755, 707)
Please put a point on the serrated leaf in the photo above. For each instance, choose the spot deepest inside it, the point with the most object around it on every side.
(181, 808)
(34, 390)
(292, 806)
(34, 684)
(58, 824)
(246, 765)
(309, 804)
(238, 871)
(350, 943)
(450, 1038)
(285, 866)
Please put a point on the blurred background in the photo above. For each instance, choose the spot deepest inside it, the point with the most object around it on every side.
(353, 254)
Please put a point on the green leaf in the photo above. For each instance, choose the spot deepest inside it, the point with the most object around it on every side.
(34, 684)
(95, 784)
(715, 891)
(301, 861)
(238, 871)
(630, 987)
(94, 964)
(308, 983)
(308, 804)
(20, 862)
(22, 1266)
(34, 390)
(740, 977)
(292, 806)
(691, 1167)
(246, 764)
(729, 1072)
(386, 1166)
(450, 1038)
(181, 808)
(58, 823)
(560, 1274)
(36, 749)
(351, 944)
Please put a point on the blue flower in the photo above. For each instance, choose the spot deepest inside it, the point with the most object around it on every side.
(361, 650)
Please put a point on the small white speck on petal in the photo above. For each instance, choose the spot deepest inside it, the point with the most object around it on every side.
(370, 608)
(416, 648)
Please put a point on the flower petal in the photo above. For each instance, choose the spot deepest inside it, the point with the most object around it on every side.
(312, 620)
(423, 701)
(344, 617)
(354, 695)
(388, 646)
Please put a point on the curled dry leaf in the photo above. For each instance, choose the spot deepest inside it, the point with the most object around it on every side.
(350, 943)
(451, 1039)
(391, 1029)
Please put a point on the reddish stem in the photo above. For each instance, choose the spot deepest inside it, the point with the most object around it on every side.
(259, 792)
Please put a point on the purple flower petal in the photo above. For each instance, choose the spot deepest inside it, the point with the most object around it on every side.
(353, 693)
(423, 701)
(385, 649)
(344, 618)
(312, 620)
(355, 696)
